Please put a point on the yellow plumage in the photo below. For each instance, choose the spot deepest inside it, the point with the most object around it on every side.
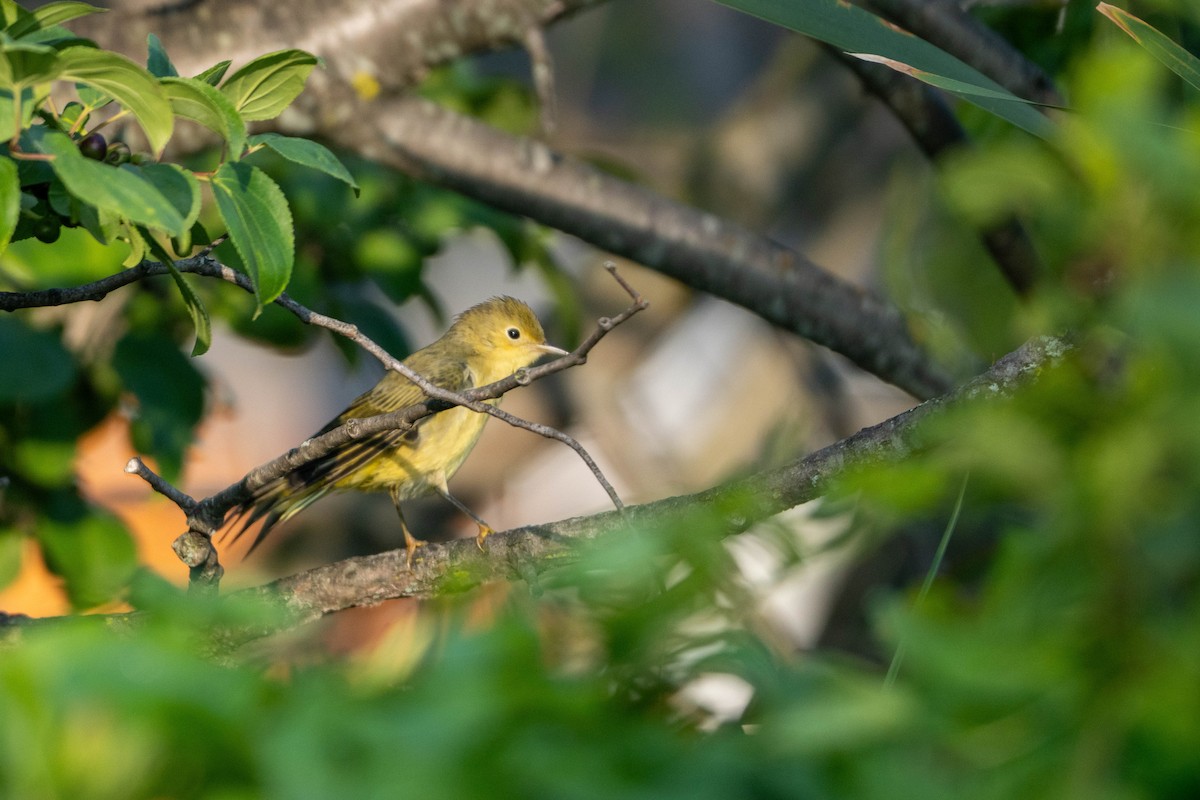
(486, 343)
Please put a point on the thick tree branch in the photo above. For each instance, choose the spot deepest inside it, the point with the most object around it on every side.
(393, 42)
(527, 177)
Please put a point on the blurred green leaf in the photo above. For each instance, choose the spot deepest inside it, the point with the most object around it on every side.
(55, 366)
(169, 393)
(93, 553)
(10, 201)
(1157, 44)
(22, 65)
(259, 222)
(12, 545)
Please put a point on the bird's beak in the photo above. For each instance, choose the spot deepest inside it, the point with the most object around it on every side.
(550, 349)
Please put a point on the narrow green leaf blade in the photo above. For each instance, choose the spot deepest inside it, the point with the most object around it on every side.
(259, 222)
(949, 84)
(1156, 43)
(131, 86)
(110, 188)
(199, 314)
(158, 63)
(855, 30)
(212, 76)
(268, 84)
(10, 201)
(192, 98)
(308, 154)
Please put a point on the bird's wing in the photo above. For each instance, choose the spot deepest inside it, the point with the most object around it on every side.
(392, 393)
(289, 494)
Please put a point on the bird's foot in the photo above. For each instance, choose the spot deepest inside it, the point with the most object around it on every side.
(484, 532)
(411, 544)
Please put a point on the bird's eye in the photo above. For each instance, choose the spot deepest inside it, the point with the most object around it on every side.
(514, 333)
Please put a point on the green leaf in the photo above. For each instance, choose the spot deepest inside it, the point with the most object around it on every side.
(93, 553)
(92, 98)
(308, 154)
(170, 396)
(10, 200)
(192, 98)
(11, 13)
(176, 184)
(1157, 44)
(25, 345)
(961, 88)
(22, 65)
(199, 314)
(49, 15)
(110, 188)
(131, 86)
(9, 123)
(854, 30)
(158, 63)
(268, 84)
(12, 544)
(259, 222)
(212, 76)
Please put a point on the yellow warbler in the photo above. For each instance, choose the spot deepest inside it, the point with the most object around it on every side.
(486, 343)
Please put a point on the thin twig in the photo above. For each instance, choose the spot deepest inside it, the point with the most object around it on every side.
(135, 466)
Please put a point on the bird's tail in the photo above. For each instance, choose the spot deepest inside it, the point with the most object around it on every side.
(288, 495)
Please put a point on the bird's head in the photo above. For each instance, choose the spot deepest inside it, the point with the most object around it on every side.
(503, 335)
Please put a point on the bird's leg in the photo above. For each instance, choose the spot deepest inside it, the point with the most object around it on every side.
(411, 543)
(485, 530)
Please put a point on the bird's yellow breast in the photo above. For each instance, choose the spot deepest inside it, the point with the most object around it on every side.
(443, 443)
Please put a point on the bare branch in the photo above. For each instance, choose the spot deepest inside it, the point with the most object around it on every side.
(135, 466)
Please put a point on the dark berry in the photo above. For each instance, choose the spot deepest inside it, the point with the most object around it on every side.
(94, 147)
(47, 230)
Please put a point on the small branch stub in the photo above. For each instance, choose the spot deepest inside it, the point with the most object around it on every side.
(204, 569)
